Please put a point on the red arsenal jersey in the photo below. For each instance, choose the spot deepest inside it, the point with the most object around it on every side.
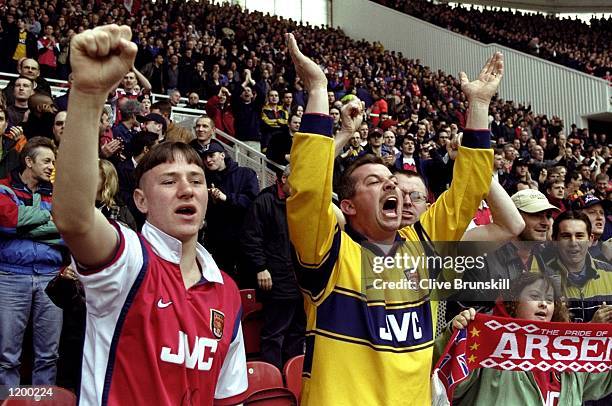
(150, 341)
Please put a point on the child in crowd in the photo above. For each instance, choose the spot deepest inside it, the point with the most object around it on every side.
(532, 297)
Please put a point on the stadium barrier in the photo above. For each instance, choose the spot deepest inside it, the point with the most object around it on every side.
(240, 152)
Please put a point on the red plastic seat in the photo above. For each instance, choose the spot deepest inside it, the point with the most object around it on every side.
(251, 330)
(265, 388)
(249, 301)
(293, 375)
(272, 397)
(262, 375)
(60, 397)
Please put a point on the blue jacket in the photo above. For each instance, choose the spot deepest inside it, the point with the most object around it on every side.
(224, 219)
(29, 241)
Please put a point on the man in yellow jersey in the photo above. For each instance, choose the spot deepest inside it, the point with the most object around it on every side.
(368, 342)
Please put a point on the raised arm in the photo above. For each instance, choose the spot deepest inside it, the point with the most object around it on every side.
(507, 221)
(312, 224)
(144, 82)
(100, 58)
(448, 218)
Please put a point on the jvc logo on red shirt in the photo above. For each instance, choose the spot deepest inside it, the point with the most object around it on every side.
(190, 356)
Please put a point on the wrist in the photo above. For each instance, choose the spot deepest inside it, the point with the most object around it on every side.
(88, 99)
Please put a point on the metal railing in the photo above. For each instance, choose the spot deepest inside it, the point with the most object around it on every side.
(243, 154)
(240, 152)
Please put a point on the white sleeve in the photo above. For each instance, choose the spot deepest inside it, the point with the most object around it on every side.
(106, 288)
(233, 376)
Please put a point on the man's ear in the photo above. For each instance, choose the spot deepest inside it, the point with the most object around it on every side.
(140, 200)
(347, 207)
(29, 162)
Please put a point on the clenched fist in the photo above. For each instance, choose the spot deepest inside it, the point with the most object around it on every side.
(100, 58)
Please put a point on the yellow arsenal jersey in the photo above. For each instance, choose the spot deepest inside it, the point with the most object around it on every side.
(367, 345)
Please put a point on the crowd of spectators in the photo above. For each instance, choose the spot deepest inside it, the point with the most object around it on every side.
(239, 64)
(566, 41)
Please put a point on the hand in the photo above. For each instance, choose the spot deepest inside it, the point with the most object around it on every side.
(217, 194)
(452, 147)
(16, 133)
(388, 160)
(351, 116)
(69, 273)
(100, 58)
(264, 280)
(110, 148)
(46, 108)
(224, 91)
(483, 88)
(603, 314)
(311, 74)
(462, 320)
(543, 175)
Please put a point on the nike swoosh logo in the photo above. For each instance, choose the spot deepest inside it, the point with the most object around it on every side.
(163, 305)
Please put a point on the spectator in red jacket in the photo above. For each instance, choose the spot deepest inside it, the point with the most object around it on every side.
(220, 110)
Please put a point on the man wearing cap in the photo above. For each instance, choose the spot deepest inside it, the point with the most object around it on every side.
(519, 172)
(154, 123)
(524, 253)
(378, 148)
(231, 190)
(596, 210)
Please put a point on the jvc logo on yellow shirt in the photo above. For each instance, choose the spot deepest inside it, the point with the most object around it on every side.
(190, 356)
(410, 323)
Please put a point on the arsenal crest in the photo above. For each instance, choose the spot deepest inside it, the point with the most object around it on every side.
(217, 321)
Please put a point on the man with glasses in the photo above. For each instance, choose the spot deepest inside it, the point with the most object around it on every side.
(353, 331)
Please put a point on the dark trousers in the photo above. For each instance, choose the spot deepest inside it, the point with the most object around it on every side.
(282, 334)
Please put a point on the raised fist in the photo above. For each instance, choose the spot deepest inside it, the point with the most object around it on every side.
(101, 57)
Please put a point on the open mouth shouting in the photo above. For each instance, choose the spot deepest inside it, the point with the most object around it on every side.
(541, 315)
(186, 211)
(390, 207)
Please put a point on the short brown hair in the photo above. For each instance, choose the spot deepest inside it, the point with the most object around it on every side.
(206, 116)
(166, 152)
(164, 107)
(32, 148)
(511, 299)
(571, 215)
(347, 187)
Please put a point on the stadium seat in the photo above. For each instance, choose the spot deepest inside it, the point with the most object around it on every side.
(263, 376)
(272, 397)
(249, 301)
(293, 375)
(60, 397)
(251, 329)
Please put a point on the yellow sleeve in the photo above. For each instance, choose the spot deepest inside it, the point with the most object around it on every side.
(448, 218)
(271, 122)
(309, 213)
(313, 227)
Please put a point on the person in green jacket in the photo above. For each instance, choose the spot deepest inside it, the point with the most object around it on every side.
(532, 297)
